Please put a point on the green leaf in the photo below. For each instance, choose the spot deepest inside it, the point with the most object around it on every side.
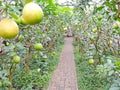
(0, 3)
(19, 45)
(27, 1)
(12, 53)
(14, 16)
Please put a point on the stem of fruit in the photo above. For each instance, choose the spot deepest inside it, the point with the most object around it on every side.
(10, 76)
(28, 60)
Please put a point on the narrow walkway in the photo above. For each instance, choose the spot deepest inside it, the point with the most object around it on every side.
(64, 77)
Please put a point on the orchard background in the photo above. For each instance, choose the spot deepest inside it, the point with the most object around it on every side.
(28, 58)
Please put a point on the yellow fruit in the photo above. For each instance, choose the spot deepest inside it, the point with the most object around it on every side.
(8, 28)
(110, 42)
(94, 30)
(32, 13)
(91, 61)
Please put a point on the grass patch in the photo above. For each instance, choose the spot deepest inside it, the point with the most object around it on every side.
(40, 72)
(85, 74)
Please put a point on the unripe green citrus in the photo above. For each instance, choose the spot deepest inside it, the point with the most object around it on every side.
(38, 46)
(16, 59)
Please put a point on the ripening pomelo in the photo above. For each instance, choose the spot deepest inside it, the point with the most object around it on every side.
(32, 13)
(8, 28)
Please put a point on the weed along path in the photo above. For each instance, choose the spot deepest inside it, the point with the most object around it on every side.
(64, 77)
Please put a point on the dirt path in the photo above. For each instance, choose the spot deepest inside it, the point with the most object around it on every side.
(64, 77)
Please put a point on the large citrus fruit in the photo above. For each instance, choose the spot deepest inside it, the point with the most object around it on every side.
(32, 13)
(38, 46)
(8, 28)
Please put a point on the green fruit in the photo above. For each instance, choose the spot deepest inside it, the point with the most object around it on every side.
(94, 30)
(16, 59)
(38, 46)
(21, 37)
(91, 61)
(1, 83)
(53, 54)
(35, 57)
(116, 26)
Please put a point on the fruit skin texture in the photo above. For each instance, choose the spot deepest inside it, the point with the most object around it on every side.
(91, 61)
(8, 28)
(32, 13)
(16, 59)
(38, 46)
